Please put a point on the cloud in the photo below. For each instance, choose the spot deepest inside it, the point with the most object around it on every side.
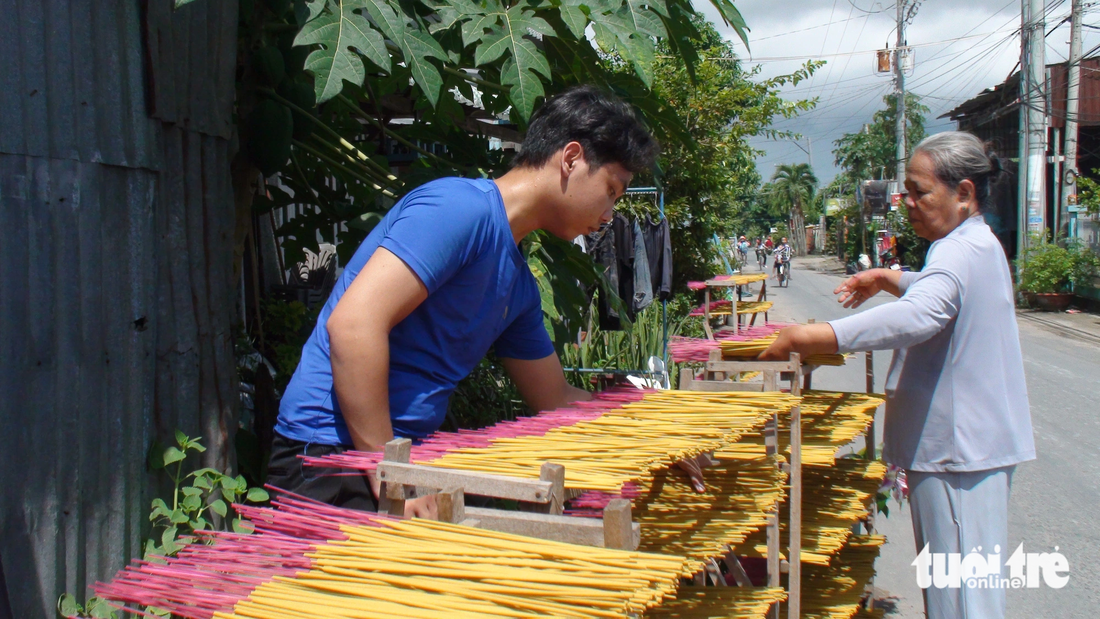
(960, 48)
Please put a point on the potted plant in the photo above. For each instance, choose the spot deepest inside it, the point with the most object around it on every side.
(1048, 272)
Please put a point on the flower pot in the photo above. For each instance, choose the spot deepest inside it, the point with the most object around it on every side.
(1049, 301)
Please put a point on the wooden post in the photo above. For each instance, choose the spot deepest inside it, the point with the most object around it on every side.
(794, 554)
(451, 504)
(706, 313)
(773, 548)
(391, 497)
(617, 532)
(869, 441)
(555, 474)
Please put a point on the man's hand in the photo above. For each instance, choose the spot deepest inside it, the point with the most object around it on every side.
(422, 507)
(862, 286)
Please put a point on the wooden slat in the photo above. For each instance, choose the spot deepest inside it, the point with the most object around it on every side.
(499, 486)
(572, 530)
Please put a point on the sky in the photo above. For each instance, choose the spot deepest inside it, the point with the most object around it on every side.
(961, 46)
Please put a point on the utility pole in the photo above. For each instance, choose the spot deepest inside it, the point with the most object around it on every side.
(1073, 69)
(899, 83)
(1033, 100)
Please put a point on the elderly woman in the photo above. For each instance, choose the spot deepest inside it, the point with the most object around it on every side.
(957, 417)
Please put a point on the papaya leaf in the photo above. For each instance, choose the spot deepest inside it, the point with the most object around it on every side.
(314, 7)
(418, 46)
(511, 36)
(573, 16)
(341, 31)
(733, 19)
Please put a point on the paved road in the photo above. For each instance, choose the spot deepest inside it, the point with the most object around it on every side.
(1055, 499)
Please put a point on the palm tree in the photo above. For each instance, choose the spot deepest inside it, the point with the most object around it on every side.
(794, 186)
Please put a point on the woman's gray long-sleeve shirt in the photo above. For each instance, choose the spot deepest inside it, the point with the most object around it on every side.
(955, 395)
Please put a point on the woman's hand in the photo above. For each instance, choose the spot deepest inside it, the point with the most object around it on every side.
(806, 340)
(862, 286)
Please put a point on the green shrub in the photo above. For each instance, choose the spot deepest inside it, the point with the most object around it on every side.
(1046, 267)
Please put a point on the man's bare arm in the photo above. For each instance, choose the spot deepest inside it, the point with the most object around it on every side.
(382, 295)
(542, 384)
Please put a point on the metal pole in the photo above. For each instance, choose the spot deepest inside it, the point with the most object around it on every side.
(899, 72)
(1073, 79)
(1035, 102)
(1057, 148)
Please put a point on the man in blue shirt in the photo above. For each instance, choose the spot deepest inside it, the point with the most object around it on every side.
(439, 282)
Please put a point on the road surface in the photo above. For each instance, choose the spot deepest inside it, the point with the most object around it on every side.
(1055, 499)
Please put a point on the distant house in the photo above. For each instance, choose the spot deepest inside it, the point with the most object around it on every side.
(994, 116)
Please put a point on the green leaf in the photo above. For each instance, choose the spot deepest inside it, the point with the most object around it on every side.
(219, 507)
(177, 517)
(228, 483)
(257, 495)
(510, 35)
(172, 455)
(100, 609)
(315, 7)
(67, 605)
(641, 17)
(733, 19)
(418, 46)
(242, 526)
(155, 458)
(160, 508)
(242, 484)
(160, 612)
(199, 524)
(203, 483)
(340, 31)
(191, 491)
(574, 17)
(168, 539)
(191, 503)
(180, 3)
(181, 439)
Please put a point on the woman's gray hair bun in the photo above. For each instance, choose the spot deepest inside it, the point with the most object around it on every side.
(958, 156)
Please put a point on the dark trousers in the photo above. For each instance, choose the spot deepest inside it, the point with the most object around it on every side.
(339, 487)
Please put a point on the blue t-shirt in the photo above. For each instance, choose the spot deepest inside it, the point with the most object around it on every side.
(454, 234)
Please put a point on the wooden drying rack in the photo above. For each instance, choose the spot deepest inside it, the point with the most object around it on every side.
(736, 282)
(541, 501)
(799, 375)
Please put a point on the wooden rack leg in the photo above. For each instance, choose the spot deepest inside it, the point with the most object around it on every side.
(391, 497)
(870, 439)
(706, 313)
(794, 554)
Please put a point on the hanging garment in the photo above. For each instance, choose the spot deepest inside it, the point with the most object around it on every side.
(658, 246)
(643, 283)
(601, 246)
(624, 252)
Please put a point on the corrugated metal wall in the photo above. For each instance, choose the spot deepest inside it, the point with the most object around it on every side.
(116, 287)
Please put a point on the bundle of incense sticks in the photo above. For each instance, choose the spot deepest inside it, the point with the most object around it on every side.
(308, 560)
(830, 420)
(725, 308)
(691, 349)
(736, 280)
(833, 499)
(623, 444)
(834, 591)
(719, 603)
(677, 520)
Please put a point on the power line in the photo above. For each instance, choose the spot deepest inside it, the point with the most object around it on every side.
(855, 53)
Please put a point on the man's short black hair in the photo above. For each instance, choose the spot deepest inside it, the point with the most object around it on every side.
(602, 123)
